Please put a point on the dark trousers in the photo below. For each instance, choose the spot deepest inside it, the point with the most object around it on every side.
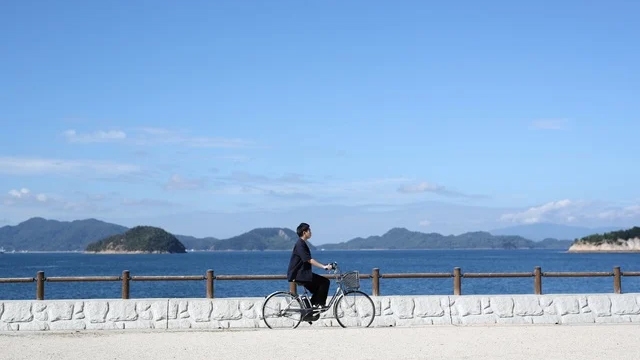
(319, 287)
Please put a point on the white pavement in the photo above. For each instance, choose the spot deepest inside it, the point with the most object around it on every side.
(495, 342)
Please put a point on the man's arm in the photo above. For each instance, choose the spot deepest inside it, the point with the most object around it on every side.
(316, 263)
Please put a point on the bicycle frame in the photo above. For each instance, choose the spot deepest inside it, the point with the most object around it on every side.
(340, 291)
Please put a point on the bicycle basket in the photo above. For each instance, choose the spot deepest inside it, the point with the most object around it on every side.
(351, 280)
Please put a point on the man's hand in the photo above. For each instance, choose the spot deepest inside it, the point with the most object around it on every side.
(329, 266)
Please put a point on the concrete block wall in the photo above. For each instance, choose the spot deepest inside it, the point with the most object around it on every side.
(225, 313)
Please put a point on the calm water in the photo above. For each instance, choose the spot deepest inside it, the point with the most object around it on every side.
(75, 264)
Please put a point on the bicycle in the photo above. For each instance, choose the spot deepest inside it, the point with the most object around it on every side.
(299, 308)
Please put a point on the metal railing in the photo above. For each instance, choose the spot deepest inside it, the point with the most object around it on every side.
(457, 275)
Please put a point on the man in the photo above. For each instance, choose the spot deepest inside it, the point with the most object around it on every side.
(300, 268)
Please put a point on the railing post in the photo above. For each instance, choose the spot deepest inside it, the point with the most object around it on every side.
(40, 285)
(537, 280)
(210, 284)
(457, 281)
(125, 284)
(617, 280)
(292, 288)
(375, 282)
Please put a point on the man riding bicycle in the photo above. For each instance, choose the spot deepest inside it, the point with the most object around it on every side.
(300, 271)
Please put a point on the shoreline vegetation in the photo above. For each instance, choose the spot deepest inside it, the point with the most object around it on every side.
(139, 240)
(38, 235)
(622, 241)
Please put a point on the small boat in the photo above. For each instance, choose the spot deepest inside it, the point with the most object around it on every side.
(1, 250)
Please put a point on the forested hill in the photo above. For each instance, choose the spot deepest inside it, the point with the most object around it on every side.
(140, 239)
(261, 239)
(610, 237)
(38, 234)
(400, 238)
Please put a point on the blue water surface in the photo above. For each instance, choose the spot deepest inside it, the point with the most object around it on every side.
(275, 262)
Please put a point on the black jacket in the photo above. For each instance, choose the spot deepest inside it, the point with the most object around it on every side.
(299, 265)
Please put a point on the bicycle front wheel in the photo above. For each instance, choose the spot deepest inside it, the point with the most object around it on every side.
(354, 308)
(282, 310)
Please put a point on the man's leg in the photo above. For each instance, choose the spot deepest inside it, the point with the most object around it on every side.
(320, 285)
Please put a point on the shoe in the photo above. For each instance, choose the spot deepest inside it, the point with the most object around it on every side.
(311, 316)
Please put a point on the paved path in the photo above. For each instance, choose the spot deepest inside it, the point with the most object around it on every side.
(564, 342)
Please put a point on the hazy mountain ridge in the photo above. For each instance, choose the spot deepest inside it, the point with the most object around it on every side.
(191, 242)
(401, 238)
(38, 234)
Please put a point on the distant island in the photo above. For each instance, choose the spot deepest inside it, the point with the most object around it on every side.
(613, 241)
(403, 239)
(38, 234)
(140, 239)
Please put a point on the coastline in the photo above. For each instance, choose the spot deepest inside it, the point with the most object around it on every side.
(619, 246)
(117, 252)
(287, 250)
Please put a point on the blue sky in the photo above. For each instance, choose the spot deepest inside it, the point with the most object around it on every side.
(213, 118)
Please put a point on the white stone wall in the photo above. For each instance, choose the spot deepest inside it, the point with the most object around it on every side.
(223, 313)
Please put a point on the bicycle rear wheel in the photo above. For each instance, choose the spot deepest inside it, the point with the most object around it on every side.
(282, 310)
(354, 308)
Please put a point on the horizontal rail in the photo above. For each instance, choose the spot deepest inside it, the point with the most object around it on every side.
(16, 280)
(630, 273)
(496, 275)
(167, 278)
(251, 277)
(415, 275)
(82, 278)
(577, 274)
(375, 277)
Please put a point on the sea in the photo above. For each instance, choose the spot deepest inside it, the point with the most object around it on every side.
(275, 262)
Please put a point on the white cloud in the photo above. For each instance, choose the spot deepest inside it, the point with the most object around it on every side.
(421, 187)
(549, 124)
(177, 182)
(424, 223)
(234, 158)
(296, 184)
(295, 190)
(243, 177)
(146, 202)
(42, 166)
(95, 137)
(424, 186)
(156, 136)
(150, 136)
(24, 196)
(540, 213)
(19, 193)
(620, 213)
(572, 211)
(54, 205)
